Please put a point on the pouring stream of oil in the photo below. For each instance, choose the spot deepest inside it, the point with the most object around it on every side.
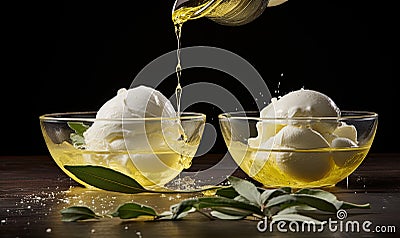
(180, 16)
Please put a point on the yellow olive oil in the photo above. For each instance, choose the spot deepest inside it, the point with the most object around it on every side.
(265, 166)
(151, 169)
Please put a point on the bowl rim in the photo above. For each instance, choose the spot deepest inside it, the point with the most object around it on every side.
(349, 114)
(80, 116)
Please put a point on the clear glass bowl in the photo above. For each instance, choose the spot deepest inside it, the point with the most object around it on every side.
(153, 151)
(290, 158)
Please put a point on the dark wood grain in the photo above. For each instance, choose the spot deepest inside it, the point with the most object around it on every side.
(34, 190)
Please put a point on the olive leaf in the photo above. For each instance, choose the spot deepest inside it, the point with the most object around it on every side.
(288, 200)
(322, 194)
(106, 179)
(332, 198)
(233, 211)
(225, 216)
(78, 127)
(169, 215)
(243, 199)
(228, 192)
(215, 202)
(269, 194)
(134, 210)
(77, 213)
(298, 209)
(246, 189)
(77, 139)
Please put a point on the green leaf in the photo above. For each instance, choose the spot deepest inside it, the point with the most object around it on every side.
(319, 202)
(269, 194)
(77, 140)
(332, 198)
(168, 215)
(224, 216)
(134, 210)
(214, 202)
(106, 179)
(240, 198)
(315, 198)
(246, 189)
(233, 211)
(318, 193)
(78, 127)
(228, 192)
(297, 209)
(289, 200)
(185, 213)
(77, 213)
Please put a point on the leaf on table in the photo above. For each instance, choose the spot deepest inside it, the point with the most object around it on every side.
(224, 216)
(321, 194)
(246, 189)
(297, 209)
(134, 210)
(321, 200)
(269, 194)
(288, 200)
(233, 211)
(169, 215)
(321, 203)
(332, 198)
(240, 198)
(106, 179)
(77, 213)
(228, 192)
(214, 202)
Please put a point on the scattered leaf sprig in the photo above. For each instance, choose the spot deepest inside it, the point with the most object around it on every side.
(240, 200)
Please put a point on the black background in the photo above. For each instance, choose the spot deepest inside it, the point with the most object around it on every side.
(74, 55)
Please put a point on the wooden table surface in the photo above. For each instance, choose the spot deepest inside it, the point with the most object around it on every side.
(34, 190)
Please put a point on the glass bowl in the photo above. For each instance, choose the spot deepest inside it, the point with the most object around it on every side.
(153, 151)
(291, 151)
